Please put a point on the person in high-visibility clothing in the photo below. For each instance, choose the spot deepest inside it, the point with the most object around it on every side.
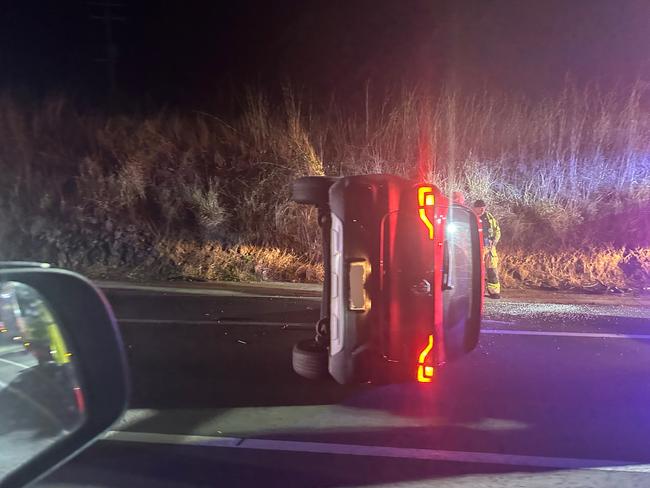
(58, 350)
(491, 237)
(41, 334)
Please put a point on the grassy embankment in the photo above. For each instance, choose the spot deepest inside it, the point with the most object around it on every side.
(204, 196)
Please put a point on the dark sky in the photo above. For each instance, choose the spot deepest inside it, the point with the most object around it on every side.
(191, 52)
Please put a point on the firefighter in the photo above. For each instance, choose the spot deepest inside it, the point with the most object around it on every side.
(491, 236)
(41, 334)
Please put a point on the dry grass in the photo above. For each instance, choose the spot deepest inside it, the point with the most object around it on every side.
(194, 194)
(600, 268)
(239, 263)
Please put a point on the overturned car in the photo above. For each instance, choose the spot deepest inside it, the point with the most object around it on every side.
(403, 289)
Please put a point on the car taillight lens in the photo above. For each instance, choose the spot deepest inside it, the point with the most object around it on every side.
(426, 200)
(425, 363)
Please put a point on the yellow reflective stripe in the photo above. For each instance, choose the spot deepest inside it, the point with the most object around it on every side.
(58, 349)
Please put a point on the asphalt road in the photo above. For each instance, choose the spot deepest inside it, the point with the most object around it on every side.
(556, 394)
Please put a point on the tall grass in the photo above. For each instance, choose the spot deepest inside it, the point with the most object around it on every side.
(567, 148)
(84, 189)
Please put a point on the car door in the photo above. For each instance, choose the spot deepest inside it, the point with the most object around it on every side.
(461, 282)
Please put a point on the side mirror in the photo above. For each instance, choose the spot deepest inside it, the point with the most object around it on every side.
(63, 374)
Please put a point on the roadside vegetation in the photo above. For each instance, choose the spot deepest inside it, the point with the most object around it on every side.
(198, 195)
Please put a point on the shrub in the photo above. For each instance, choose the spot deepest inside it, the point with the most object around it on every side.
(157, 194)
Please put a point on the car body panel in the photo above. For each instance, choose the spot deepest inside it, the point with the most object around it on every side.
(385, 236)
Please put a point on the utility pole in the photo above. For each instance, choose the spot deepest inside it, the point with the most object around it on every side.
(107, 17)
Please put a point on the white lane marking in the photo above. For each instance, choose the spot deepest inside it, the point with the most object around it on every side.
(177, 439)
(596, 335)
(304, 325)
(495, 322)
(13, 349)
(14, 363)
(377, 451)
(300, 417)
(630, 468)
(216, 322)
(262, 293)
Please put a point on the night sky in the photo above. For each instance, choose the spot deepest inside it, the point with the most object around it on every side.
(192, 52)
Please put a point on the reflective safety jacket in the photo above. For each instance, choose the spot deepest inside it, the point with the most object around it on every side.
(491, 229)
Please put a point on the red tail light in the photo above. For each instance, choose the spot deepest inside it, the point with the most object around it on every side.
(426, 199)
(79, 398)
(426, 371)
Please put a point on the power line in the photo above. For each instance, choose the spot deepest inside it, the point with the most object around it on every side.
(108, 18)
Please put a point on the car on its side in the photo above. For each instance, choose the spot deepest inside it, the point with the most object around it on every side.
(403, 290)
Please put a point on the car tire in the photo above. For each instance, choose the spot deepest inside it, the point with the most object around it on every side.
(310, 359)
(312, 190)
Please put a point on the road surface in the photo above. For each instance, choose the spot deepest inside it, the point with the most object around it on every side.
(555, 395)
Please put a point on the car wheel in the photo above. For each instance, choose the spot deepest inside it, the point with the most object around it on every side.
(310, 359)
(312, 190)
